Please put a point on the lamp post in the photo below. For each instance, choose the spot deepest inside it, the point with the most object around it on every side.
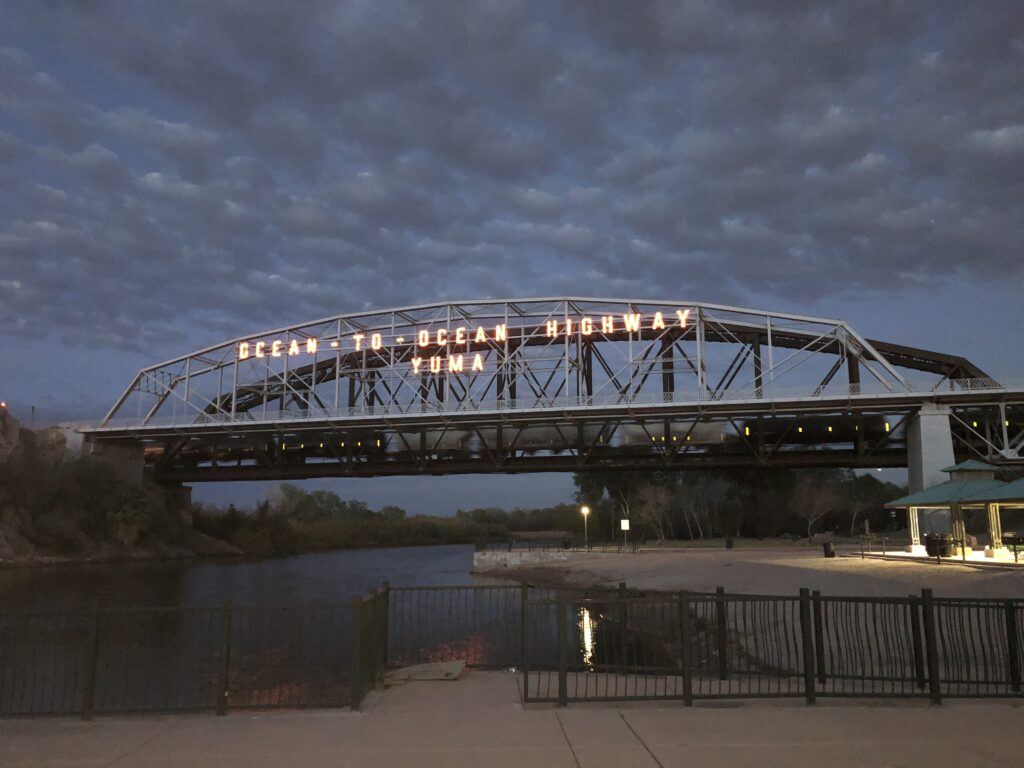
(585, 511)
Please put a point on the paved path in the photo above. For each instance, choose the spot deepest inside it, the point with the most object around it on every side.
(478, 721)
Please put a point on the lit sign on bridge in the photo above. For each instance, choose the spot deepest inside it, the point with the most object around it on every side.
(437, 349)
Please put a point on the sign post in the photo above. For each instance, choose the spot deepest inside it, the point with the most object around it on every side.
(624, 524)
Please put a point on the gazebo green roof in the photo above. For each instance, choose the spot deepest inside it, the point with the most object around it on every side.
(1005, 493)
(971, 465)
(949, 492)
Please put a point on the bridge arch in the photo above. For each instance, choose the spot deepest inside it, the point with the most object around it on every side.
(543, 383)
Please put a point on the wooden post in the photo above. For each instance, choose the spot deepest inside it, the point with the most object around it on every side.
(686, 647)
(1012, 644)
(89, 691)
(563, 650)
(807, 644)
(225, 683)
(931, 645)
(819, 637)
(915, 628)
(723, 634)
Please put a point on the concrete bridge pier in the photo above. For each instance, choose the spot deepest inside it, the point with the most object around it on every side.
(127, 460)
(929, 447)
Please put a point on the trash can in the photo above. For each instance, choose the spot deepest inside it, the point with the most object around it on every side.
(938, 544)
(728, 542)
(828, 549)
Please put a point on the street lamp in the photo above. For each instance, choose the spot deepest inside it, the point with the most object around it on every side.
(585, 511)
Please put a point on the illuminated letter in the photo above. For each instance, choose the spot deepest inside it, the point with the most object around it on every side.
(481, 337)
(659, 322)
(608, 324)
(552, 328)
(460, 335)
(501, 332)
(586, 326)
(375, 341)
(293, 347)
(358, 339)
(442, 336)
(632, 321)
(243, 350)
(275, 348)
(259, 348)
(416, 363)
(424, 338)
(455, 363)
(568, 326)
(435, 364)
(478, 362)
(311, 346)
(682, 315)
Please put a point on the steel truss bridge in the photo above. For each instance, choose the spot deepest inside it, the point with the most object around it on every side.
(555, 384)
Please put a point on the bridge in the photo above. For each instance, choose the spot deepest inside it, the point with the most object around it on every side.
(556, 384)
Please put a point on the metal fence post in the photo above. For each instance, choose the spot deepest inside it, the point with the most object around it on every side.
(807, 644)
(624, 633)
(914, 605)
(686, 647)
(1012, 644)
(931, 645)
(222, 700)
(357, 652)
(89, 691)
(722, 632)
(563, 649)
(819, 637)
(524, 609)
(386, 619)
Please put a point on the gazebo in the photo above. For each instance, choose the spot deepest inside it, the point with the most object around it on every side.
(971, 486)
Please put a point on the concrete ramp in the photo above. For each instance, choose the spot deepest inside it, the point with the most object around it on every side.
(445, 670)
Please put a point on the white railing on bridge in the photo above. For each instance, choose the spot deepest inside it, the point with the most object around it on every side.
(752, 395)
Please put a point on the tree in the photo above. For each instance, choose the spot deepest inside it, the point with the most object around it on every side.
(652, 507)
(813, 498)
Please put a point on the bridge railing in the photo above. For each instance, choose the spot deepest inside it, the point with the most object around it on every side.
(768, 392)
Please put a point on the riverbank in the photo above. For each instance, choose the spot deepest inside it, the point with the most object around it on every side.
(766, 571)
(479, 720)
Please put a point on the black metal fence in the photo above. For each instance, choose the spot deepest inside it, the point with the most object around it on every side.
(706, 646)
(570, 646)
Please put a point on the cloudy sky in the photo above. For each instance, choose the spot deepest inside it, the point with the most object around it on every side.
(173, 174)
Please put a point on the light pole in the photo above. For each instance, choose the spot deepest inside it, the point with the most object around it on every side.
(585, 511)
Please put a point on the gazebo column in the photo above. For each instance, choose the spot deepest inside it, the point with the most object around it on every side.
(959, 529)
(914, 525)
(995, 528)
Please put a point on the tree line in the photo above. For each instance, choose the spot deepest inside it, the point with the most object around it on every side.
(735, 502)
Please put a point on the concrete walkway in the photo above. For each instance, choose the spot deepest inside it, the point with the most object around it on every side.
(478, 721)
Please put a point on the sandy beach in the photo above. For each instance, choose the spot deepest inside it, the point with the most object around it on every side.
(771, 571)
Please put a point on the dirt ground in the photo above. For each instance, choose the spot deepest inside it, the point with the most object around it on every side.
(773, 571)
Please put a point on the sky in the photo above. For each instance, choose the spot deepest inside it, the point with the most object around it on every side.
(176, 174)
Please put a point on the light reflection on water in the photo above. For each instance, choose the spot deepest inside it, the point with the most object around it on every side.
(587, 638)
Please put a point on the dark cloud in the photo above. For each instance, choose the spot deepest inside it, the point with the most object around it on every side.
(219, 166)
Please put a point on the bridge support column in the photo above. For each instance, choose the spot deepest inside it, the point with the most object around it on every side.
(929, 447)
(914, 526)
(125, 459)
(178, 500)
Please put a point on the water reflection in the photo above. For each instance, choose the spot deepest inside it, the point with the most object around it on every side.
(586, 625)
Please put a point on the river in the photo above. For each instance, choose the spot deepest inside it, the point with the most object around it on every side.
(319, 578)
